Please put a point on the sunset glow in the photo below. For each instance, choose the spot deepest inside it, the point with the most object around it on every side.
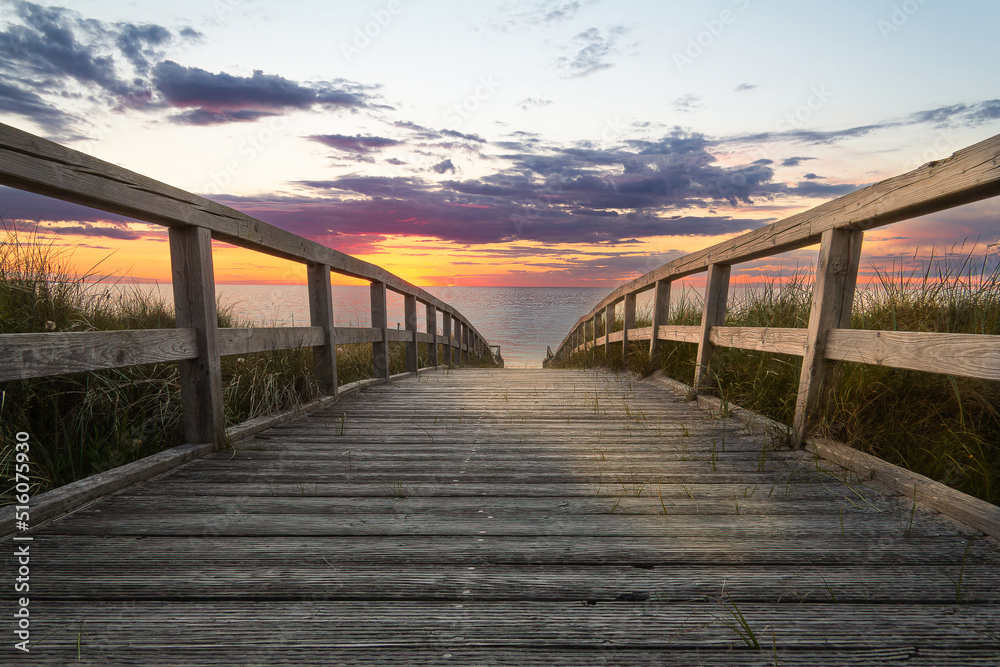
(520, 143)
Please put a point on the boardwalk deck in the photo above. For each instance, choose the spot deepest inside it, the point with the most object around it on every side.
(510, 517)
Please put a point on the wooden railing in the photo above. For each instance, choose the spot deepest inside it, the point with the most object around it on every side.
(967, 176)
(28, 162)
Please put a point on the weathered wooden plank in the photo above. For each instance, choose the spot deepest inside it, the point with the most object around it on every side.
(394, 335)
(194, 304)
(33, 355)
(380, 317)
(977, 513)
(762, 339)
(410, 315)
(661, 310)
(628, 322)
(793, 527)
(969, 355)
(512, 633)
(746, 583)
(432, 334)
(267, 339)
(681, 334)
(832, 302)
(712, 315)
(446, 329)
(968, 175)
(382, 551)
(357, 335)
(70, 496)
(321, 316)
(650, 503)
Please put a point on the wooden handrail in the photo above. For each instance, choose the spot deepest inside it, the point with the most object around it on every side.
(34, 164)
(969, 175)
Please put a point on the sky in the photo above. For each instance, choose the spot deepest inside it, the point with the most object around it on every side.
(510, 142)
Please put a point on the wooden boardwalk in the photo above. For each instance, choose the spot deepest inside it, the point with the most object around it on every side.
(510, 517)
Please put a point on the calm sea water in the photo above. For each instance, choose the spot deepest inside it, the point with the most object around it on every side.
(521, 320)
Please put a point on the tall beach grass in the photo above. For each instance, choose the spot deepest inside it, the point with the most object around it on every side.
(947, 428)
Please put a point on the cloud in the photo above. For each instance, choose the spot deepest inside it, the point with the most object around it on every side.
(795, 161)
(420, 210)
(356, 144)
(743, 87)
(26, 103)
(194, 87)
(58, 58)
(532, 102)
(811, 188)
(968, 115)
(206, 117)
(64, 56)
(443, 166)
(537, 12)
(593, 51)
(687, 103)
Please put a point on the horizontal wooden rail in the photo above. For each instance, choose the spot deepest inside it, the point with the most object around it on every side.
(30, 163)
(967, 355)
(969, 175)
(30, 355)
(247, 340)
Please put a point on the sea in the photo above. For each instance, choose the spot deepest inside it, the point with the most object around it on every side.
(523, 321)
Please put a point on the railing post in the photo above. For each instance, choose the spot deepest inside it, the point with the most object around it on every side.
(194, 302)
(609, 320)
(463, 346)
(661, 309)
(593, 343)
(714, 314)
(628, 318)
(446, 323)
(832, 302)
(380, 317)
(321, 315)
(432, 329)
(410, 315)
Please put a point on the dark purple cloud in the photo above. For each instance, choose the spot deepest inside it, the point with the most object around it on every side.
(47, 47)
(443, 166)
(795, 161)
(355, 144)
(206, 117)
(122, 65)
(194, 87)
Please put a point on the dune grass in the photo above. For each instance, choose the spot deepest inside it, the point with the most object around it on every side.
(85, 423)
(947, 428)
